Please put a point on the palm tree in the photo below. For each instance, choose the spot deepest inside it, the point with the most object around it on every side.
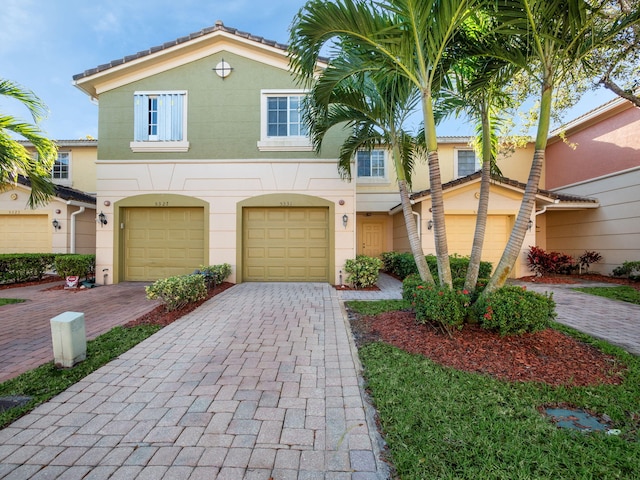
(374, 109)
(559, 35)
(15, 159)
(408, 38)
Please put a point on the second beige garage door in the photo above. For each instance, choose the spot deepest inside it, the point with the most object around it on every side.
(162, 242)
(460, 230)
(283, 244)
(25, 234)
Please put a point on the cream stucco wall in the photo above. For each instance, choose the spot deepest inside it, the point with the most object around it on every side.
(223, 184)
(83, 167)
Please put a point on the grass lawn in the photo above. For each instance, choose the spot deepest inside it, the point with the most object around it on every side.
(9, 301)
(623, 292)
(442, 423)
(46, 381)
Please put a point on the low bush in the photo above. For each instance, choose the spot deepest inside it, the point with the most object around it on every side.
(629, 270)
(24, 267)
(363, 271)
(75, 265)
(215, 274)
(545, 263)
(176, 292)
(587, 259)
(440, 305)
(403, 264)
(513, 310)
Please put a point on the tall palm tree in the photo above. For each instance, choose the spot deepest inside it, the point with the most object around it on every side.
(559, 35)
(374, 110)
(15, 159)
(409, 38)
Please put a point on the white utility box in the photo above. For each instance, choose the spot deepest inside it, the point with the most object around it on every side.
(69, 339)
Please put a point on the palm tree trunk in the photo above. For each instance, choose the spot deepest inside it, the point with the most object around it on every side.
(412, 233)
(437, 198)
(483, 204)
(512, 250)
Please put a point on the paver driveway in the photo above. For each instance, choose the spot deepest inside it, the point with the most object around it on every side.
(259, 382)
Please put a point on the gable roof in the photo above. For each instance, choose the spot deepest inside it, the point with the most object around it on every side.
(197, 43)
(560, 200)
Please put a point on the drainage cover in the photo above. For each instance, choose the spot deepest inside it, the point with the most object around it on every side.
(576, 419)
(13, 401)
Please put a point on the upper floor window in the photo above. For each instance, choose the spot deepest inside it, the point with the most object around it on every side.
(281, 121)
(371, 165)
(160, 122)
(465, 163)
(61, 166)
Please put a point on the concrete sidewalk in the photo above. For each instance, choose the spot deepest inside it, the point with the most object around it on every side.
(260, 382)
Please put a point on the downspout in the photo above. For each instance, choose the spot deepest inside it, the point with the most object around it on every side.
(73, 229)
(419, 222)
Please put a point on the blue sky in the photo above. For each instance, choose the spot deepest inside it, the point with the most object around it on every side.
(43, 43)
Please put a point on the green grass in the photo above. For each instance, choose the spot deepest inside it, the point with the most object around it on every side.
(9, 301)
(624, 293)
(46, 381)
(441, 423)
(371, 308)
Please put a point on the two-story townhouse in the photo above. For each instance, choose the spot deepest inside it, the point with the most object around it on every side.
(67, 224)
(600, 159)
(203, 159)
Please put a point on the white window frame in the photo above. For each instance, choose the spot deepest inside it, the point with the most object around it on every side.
(155, 145)
(456, 170)
(378, 178)
(298, 143)
(63, 181)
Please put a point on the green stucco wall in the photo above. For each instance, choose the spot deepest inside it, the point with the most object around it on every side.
(223, 115)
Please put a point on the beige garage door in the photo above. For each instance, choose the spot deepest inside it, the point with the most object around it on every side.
(25, 234)
(286, 244)
(162, 242)
(460, 229)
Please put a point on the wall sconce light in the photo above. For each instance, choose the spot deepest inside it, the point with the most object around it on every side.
(429, 224)
(102, 218)
(345, 219)
(530, 225)
(56, 224)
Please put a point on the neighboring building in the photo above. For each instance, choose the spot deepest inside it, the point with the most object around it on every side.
(67, 224)
(600, 159)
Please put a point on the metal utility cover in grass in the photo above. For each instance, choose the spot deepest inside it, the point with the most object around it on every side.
(13, 401)
(575, 418)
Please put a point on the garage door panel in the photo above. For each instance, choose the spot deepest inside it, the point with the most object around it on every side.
(25, 234)
(162, 242)
(295, 248)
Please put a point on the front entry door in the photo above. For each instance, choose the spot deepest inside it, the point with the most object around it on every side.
(371, 241)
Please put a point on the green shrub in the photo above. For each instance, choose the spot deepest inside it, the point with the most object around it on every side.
(75, 265)
(24, 267)
(403, 264)
(513, 310)
(363, 271)
(409, 285)
(440, 305)
(628, 269)
(176, 292)
(215, 274)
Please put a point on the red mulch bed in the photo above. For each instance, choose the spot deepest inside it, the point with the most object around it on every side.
(549, 356)
(47, 279)
(159, 315)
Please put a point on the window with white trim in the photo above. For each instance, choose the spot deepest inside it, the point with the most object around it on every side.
(61, 166)
(465, 163)
(160, 122)
(371, 165)
(281, 125)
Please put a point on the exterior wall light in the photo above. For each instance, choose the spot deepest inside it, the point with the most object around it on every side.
(56, 224)
(429, 224)
(530, 225)
(345, 219)
(102, 218)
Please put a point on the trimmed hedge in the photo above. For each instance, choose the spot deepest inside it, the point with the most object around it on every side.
(24, 267)
(214, 274)
(176, 292)
(363, 271)
(75, 265)
(403, 264)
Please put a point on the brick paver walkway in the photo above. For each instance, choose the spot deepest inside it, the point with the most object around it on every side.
(260, 382)
(25, 329)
